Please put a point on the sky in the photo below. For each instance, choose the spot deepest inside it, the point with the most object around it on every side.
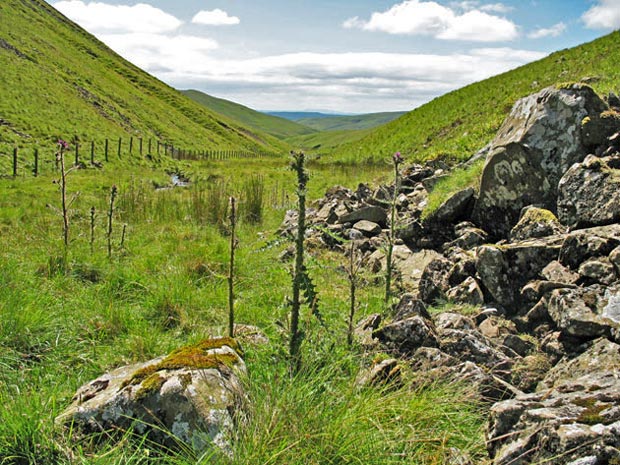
(345, 56)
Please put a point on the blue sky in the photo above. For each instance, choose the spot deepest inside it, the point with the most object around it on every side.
(345, 56)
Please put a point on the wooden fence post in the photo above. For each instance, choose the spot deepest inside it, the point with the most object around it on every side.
(149, 146)
(120, 142)
(130, 145)
(92, 152)
(35, 170)
(77, 153)
(106, 150)
(14, 162)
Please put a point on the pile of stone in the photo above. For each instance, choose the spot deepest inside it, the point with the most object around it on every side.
(534, 253)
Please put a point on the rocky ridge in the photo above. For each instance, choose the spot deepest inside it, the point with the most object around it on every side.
(534, 253)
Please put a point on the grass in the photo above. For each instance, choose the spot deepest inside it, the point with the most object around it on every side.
(350, 123)
(458, 124)
(167, 289)
(457, 180)
(59, 81)
(257, 121)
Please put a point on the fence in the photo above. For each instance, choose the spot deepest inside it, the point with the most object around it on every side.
(30, 159)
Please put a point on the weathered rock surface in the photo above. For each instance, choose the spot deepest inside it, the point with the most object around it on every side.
(535, 222)
(589, 193)
(538, 142)
(192, 395)
(575, 418)
(586, 312)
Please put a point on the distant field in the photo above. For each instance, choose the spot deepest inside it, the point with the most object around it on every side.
(350, 123)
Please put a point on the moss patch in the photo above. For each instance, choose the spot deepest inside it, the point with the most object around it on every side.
(195, 357)
(149, 386)
(591, 415)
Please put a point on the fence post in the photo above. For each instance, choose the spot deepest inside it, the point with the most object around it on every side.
(130, 145)
(92, 152)
(150, 146)
(120, 142)
(77, 153)
(14, 162)
(106, 150)
(35, 170)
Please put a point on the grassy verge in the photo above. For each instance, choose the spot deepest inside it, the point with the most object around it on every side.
(63, 326)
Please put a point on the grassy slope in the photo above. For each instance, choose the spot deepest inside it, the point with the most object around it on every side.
(277, 127)
(350, 123)
(461, 122)
(58, 80)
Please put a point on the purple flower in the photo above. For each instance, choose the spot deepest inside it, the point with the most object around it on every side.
(63, 144)
(397, 157)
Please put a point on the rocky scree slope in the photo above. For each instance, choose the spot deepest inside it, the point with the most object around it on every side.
(535, 251)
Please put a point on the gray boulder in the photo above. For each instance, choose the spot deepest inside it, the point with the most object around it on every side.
(537, 143)
(408, 335)
(586, 312)
(190, 396)
(456, 207)
(584, 244)
(589, 193)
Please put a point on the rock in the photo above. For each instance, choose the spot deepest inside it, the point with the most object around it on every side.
(409, 265)
(583, 244)
(573, 418)
(535, 222)
(407, 335)
(192, 396)
(468, 292)
(434, 280)
(374, 214)
(603, 355)
(250, 335)
(364, 329)
(413, 174)
(528, 371)
(385, 372)
(537, 143)
(456, 207)
(589, 194)
(556, 272)
(493, 270)
(533, 291)
(519, 345)
(614, 258)
(468, 237)
(449, 320)
(367, 228)
(471, 346)
(599, 270)
(504, 270)
(495, 327)
(410, 305)
(586, 312)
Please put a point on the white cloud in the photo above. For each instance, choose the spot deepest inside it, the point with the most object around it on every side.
(102, 17)
(604, 15)
(432, 19)
(215, 17)
(476, 5)
(554, 31)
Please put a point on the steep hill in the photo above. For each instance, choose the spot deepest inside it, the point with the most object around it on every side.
(57, 80)
(277, 127)
(461, 122)
(350, 123)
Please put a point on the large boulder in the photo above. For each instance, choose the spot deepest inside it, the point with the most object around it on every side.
(190, 396)
(538, 142)
(589, 193)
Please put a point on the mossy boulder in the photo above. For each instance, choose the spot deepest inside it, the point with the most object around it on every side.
(191, 396)
(543, 136)
(535, 222)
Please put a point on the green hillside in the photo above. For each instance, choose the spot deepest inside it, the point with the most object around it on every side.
(57, 80)
(461, 122)
(350, 123)
(277, 127)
